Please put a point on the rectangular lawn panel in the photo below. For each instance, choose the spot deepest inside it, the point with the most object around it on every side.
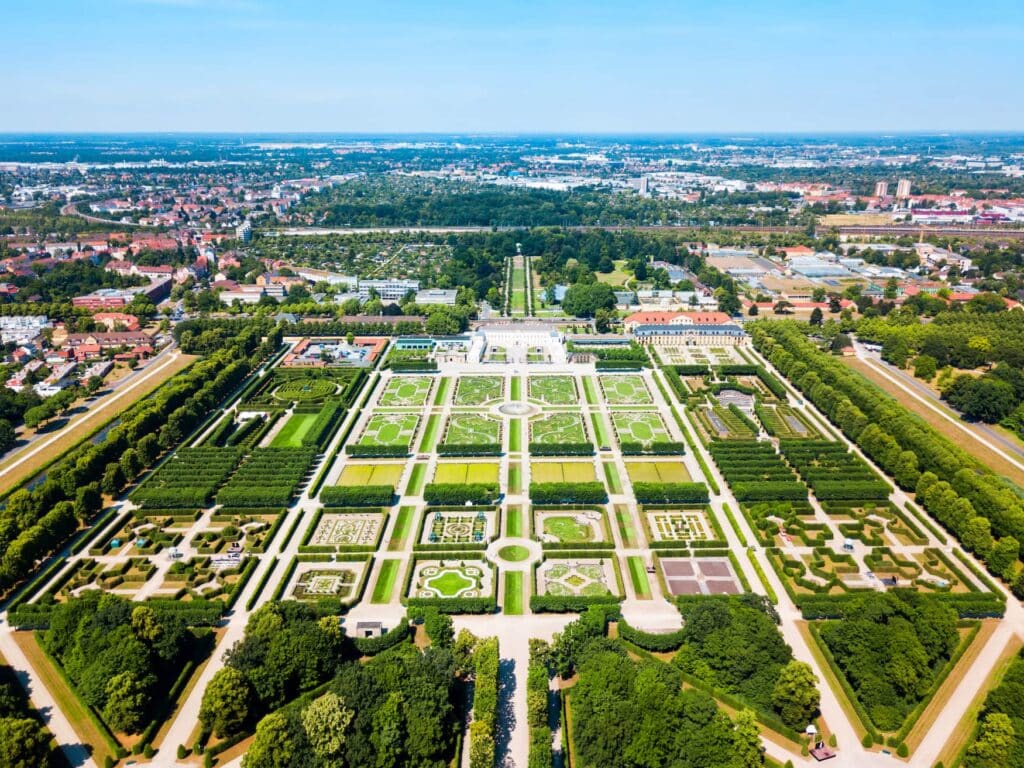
(449, 473)
(600, 430)
(514, 522)
(657, 472)
(588, 390)
(628, 389)
(515, 478)
(638, 575)
(611, 475)
(407, 391)
(517, 388)
(515, 435)
(478, 390)
(643, 428)
(389, 429)
(558, 429)
(403, 527)
(442, 390)
(562, 472)
(553, 390)
(419, 474)
(296, 428)
(371, 474)
(386, 578)
(625, 521)
(472, 429)
(513, 593)
(430, 434)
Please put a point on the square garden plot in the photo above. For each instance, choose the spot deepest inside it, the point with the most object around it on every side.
(628, 389)
(643, 428)
(657, 472)
(452, 578)
(124, 578)
(354, 529)
(371, 474)
(570, 526)
(679, 525)
(315, 581)
(389, 429)
(558, 429)
(472, 429)
(460, 472)
(471, 527)
(406, 391)
(699, 576)
(478, 390)
(562, 472)
(553, 390)
(578, 577)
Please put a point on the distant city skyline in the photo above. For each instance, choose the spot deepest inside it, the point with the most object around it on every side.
(649, 67)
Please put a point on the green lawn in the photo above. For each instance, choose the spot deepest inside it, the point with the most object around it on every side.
(611, 474)
(478, 390)
(638, 575)
(514, 553)
(558, 429)
(407, 391)
(515, 435)
(390, 429)
(600, 430)
(472, 429)
(588, 390)
(419, 474)
(643, 428)
(403, 526)
(518, 290)
(385, 581)
(442, 391)
(458, 472)
(553, 390)
(514, 522)
(517, 388)
(625, 521)
(567, 530)
(513, 593)
(515, 478)
(296, 428)
(625, 389)
(430, 434)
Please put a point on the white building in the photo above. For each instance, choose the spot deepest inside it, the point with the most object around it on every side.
(437, 296)
(388, 290)
(19, 329)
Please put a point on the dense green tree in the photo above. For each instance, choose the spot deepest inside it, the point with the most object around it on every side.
(992, 747)
(325, 722)
(127, 702)
(226, 701)
(23, 743)
(795, 696)
(276, 744)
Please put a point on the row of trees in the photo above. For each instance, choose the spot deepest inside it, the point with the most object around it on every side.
(24, 742)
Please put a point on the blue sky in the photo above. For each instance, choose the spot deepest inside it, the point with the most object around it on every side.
(499, 66)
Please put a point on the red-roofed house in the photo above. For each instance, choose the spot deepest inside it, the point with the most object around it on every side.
(674, 318)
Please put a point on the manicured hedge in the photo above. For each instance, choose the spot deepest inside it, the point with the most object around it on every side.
(478, 449)
(568, 493)
(455, 604)
(656, 642)
(460, 493)
(666, 448)
(358, 495)
(370, 451)
(569, 603)
(561, 449)
(671, 493)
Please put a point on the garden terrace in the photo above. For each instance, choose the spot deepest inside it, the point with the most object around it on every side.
(244, 432)
(874, 516)
(406, 391)
(785, 422)
(331, 585)
(689, 576)
(284, 387)
(578, 527)
(312, 428)
(125, 577)
(724, 423)
(559, 434)
(209, 578)
(553, 390)
(478, 390)
(643, 430)
(579, 577)
(833, 472)
(471, 433)
(250, 530)
(145, 535)
(188, 479)
(344, 530)
(456, 527)
(269, 477)
(628, 389)
(386, 434)
(755, 472)
(680, 527)
(451, 579)
(779, 522)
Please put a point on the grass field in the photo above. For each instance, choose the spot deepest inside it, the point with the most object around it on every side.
(515, 478)
(460, 472)
(567, 530)
(517, 388)
(589, 391)
(557, 429)
(513, 593)
(389, 429)
(600, 430)
(625, 521)
(472, 429)
(553, 390)
(515, 435)
(419, 474)
(442, 390)
(407, 391)
(638, 575)
(562, 472)
(514, 523)
(478, 390)
(657, 472)
(296, 428)
(430, 434)
(611, 474)
(70, 703)
(518, 290)
(371, 474)
(386, 578)
(628, 389)
(643, 428)
(403, 528)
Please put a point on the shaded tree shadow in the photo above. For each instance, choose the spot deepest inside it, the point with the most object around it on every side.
(506, 718)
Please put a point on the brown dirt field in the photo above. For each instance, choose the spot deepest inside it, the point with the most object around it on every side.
(973, 446)
(84, 426)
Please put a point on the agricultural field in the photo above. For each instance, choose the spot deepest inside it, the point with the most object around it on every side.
(625, 389)
(406, 391)
(478, 390)
(553, 390)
